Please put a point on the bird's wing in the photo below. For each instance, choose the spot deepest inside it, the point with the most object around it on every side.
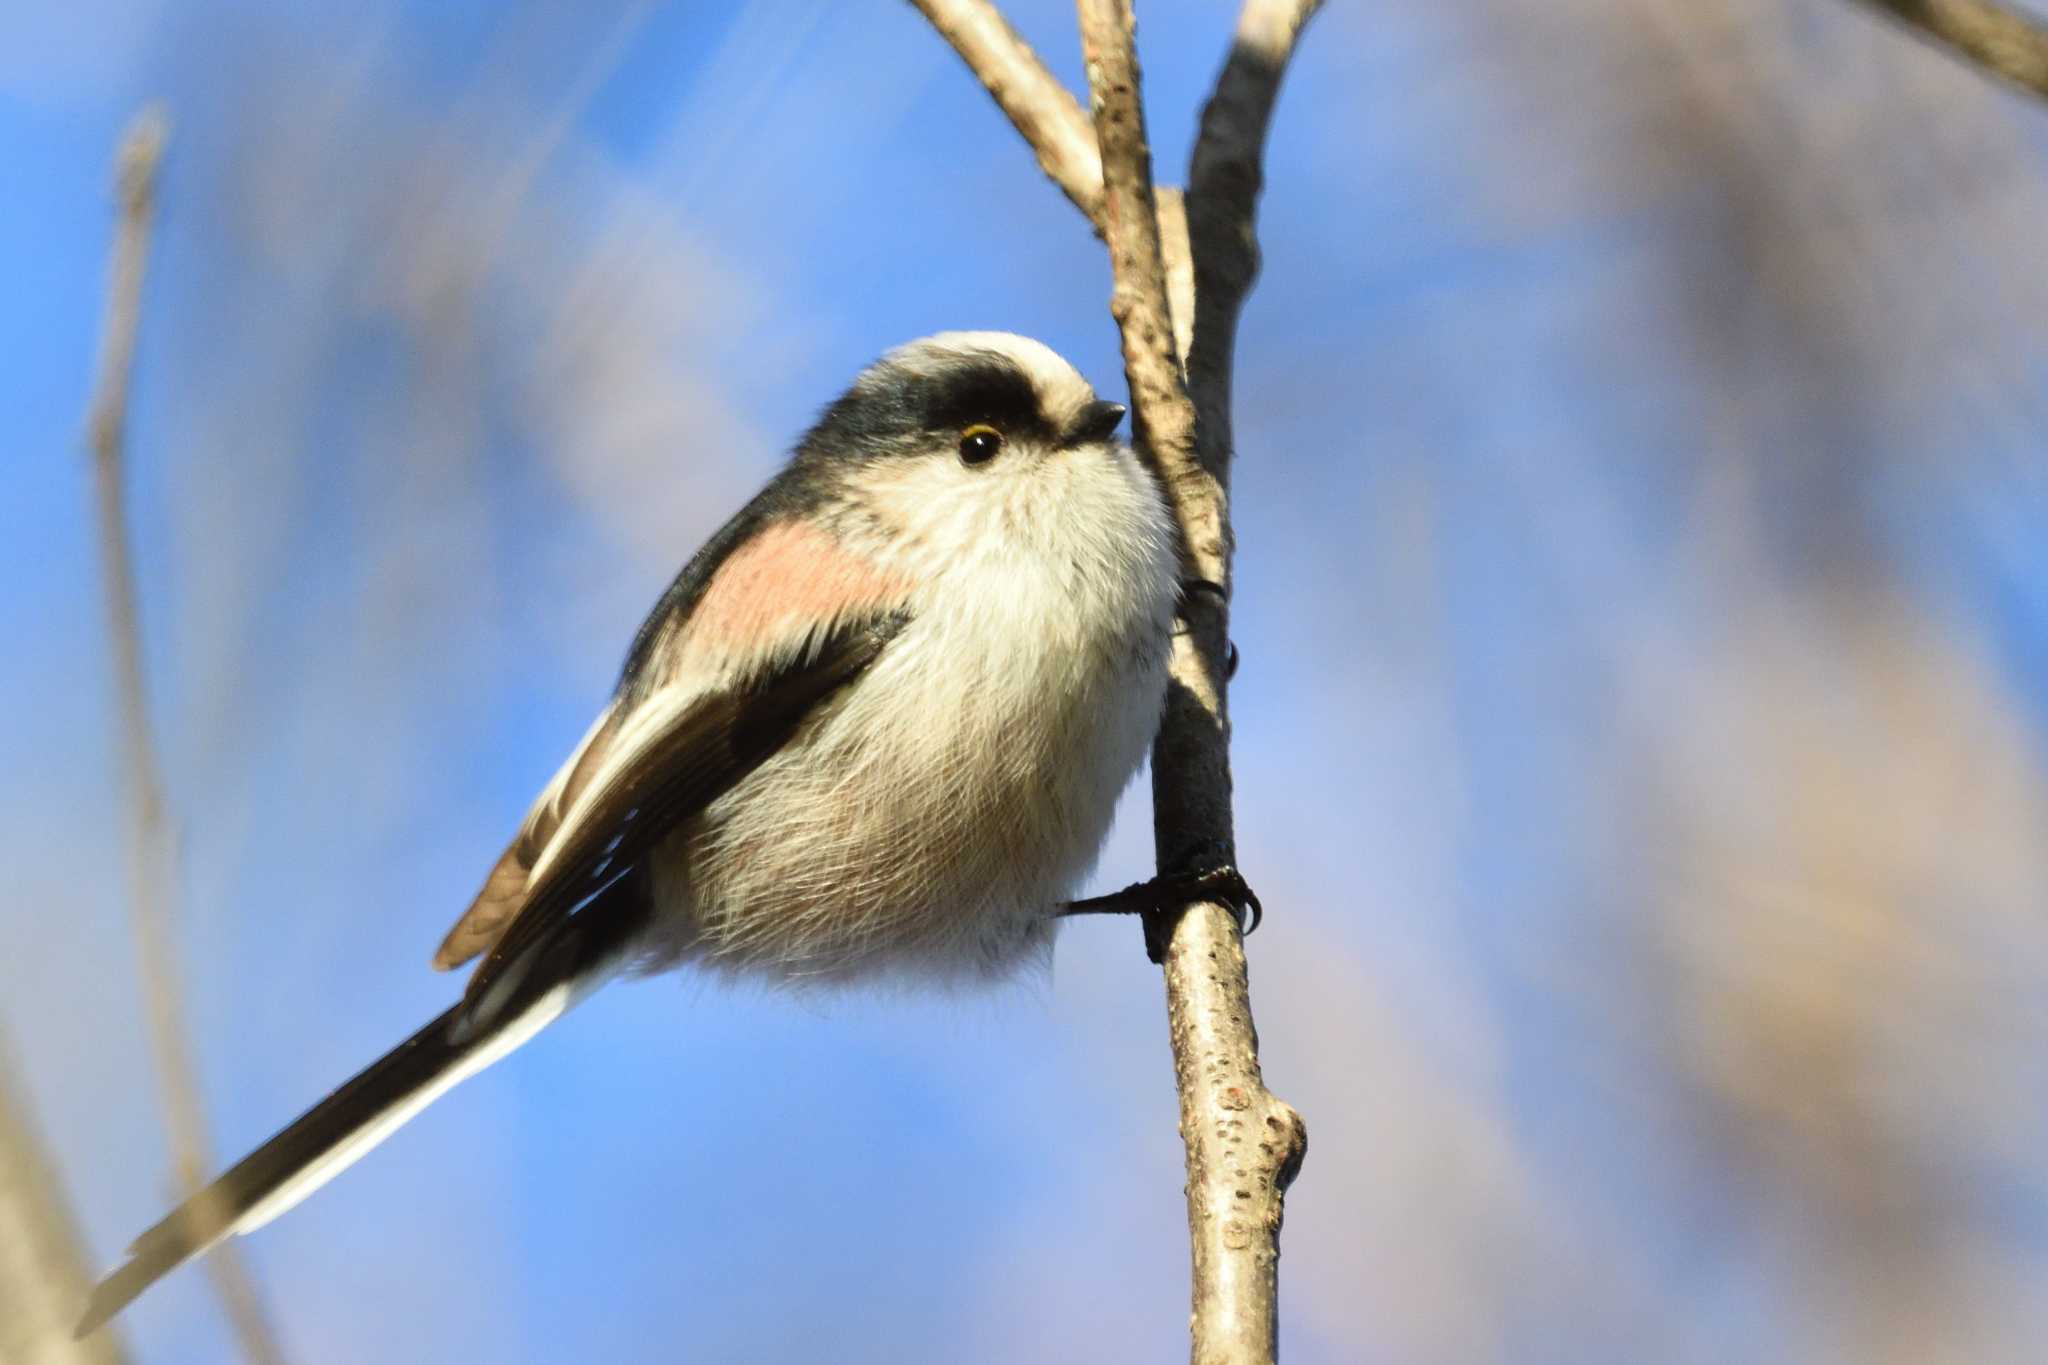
(773, 616)
(504, 891)
(667, 762)
(723, 676)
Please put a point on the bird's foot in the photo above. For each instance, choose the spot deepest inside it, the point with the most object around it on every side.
(1160, 899)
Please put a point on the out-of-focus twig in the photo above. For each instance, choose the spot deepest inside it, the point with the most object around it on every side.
(151, 864)
(43, 1277)
(2005, 42)
(1049, 117)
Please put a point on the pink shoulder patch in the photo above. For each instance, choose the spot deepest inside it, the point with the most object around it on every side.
(788, 577)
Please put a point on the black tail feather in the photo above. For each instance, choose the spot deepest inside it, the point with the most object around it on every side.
(212, 1214)
(549, 976)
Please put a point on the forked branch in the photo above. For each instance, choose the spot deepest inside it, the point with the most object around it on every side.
(1182, 266)
(1050, 119)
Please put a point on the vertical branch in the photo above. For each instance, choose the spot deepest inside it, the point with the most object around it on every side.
(1224, 181)
(1182, 266)
(42, 1261)
(1244, 1145)
(152, 869)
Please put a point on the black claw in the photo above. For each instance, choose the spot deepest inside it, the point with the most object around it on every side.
(1226, 884)
(1230, 669)
(1189, 587)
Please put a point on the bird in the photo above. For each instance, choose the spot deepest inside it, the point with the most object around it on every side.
(875, 728)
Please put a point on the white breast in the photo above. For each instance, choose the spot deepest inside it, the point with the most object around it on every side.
(933, 816)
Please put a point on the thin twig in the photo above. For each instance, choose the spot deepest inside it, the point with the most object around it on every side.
(152, 866)
(42, 1261)
(1244, 1145)
(2009, 44)
(1049, 117)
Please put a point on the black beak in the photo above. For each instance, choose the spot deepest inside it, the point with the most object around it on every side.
(1095, 423)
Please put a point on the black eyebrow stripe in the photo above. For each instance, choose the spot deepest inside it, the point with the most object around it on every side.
(929, 395)
(984, 387)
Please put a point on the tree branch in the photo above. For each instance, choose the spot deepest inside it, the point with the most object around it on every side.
(152, 867)
(1182, 267)
(1045, 113)
(1224, 179)
(42, 1262)
(1244, 1145)
(2003, 41)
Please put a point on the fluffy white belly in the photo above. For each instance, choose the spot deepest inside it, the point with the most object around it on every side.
(933, 817)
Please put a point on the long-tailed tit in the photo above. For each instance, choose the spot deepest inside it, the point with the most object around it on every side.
(876, 726)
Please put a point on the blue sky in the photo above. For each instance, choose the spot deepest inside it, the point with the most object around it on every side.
(1639, 733)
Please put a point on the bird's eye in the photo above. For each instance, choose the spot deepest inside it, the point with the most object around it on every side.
(979, 443)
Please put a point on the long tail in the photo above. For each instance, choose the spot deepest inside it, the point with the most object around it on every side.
(337, 1132)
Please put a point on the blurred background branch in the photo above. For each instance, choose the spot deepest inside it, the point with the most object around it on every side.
(43, 1274)
(2001, 39)
(153, 871)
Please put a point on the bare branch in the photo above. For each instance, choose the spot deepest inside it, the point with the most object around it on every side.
(1244, 1145)
(1170, 209)
(1182, 268)
(1163, 418)
(42, 1262)
(1045, 113)
(152, 867)
(1225, 176)
(2004, 41)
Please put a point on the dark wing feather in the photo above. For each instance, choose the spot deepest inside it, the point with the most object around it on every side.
(698, 756)
(504, 891)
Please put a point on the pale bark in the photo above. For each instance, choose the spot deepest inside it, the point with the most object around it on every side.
(1049, 118)
(152, 865)
(1182, 267)
(2009, 44)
